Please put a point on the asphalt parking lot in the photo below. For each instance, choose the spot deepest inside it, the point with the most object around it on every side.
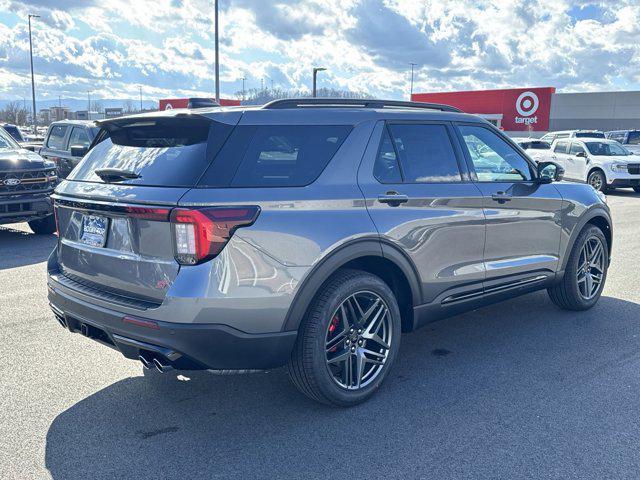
(517, 390)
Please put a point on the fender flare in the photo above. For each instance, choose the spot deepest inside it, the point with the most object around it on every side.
(323, 270)
(593, 212)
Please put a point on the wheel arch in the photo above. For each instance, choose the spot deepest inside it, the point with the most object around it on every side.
(599, 168)
(598, 217)
(377, 257)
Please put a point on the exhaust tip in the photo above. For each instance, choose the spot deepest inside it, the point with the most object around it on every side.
(146, 363)
(161, 367)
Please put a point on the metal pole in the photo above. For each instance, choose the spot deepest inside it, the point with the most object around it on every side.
(243, 79)
(315, 75)
(217, 55)
(33, 83)
(88, 102)
(411, 92)
(140, 90)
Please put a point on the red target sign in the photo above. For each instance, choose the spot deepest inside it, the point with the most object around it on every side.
(527, 104)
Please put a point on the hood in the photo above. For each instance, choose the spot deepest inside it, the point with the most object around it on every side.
(22, 159)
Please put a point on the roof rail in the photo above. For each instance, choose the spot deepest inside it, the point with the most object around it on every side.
(355, 103)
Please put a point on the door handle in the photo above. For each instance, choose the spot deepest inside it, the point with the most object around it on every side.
(393, 199)
(501, 197)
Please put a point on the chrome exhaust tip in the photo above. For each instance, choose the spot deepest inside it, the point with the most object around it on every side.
(161, 367)
(146, 363)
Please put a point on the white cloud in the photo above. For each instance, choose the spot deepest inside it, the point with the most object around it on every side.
(167, 45)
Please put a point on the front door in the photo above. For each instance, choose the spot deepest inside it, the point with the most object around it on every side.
(523, 216)
(420, 197)
(577, 162)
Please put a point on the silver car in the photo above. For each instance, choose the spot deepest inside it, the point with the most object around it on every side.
(310, 233)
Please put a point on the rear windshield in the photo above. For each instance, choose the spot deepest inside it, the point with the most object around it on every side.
(634, 138)
(275, 155)
(589, 135)
(164, 152)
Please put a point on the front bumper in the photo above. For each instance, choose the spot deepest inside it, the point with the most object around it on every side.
(625, 182)
(183, 346)
(18, 208)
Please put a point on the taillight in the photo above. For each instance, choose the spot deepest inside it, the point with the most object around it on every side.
(55, 217)
(201, 234)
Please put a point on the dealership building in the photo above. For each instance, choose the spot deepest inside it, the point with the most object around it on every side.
(535, 111)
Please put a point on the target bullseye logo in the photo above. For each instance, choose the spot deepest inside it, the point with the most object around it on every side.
(527, 104)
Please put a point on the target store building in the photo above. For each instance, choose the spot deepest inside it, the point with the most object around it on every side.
(537, 110)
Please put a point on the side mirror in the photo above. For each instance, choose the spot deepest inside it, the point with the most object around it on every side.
(581, 154)
(549, 172)
(78, 150)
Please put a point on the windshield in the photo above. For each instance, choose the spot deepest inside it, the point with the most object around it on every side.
(589, 135)
(607, 149)
(6, 141)
(535, 145)
(14, 132)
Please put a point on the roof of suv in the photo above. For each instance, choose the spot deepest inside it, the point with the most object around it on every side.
(85, 123)
(318, 111)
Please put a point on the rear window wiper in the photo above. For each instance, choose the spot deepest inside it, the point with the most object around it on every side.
(116, 174)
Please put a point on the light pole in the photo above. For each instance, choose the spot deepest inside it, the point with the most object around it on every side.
(140, 92)
(217, 55)
(411, 91)
(315, 75)
(33, 83)
(243, 79)
(88, 102)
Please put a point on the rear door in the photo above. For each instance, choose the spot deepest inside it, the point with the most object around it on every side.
(114, 235)
(421, 199)
(523, 216)
(559, 154)
(576, 162)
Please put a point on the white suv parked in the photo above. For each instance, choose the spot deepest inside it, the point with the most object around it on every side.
(551, 136)
(600, 162)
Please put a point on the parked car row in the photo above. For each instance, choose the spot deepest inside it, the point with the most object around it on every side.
(605, 160)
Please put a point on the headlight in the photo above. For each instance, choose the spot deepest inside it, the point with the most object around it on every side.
(619, 167)
(602, 196)
(49, 164)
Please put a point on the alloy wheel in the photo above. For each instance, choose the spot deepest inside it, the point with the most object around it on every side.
(595, 180)
(591, 267)
(358, 340)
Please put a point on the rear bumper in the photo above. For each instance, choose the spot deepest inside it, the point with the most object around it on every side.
(184, 346)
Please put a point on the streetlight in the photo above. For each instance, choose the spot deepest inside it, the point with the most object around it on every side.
(140, 92)
(243, 79)
(315, 74)
(88, 102)
(217, 55)
(411, 92)
(33, 83)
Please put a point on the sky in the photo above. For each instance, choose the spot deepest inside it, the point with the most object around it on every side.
(165, 47)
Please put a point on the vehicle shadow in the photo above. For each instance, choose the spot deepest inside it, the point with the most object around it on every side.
(518, 385)
(21, 247)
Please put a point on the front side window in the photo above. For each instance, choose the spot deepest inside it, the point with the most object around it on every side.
(425, 153)
(494, 160)
(575, 149)
(607, 149)
(634, 138)
(56, 137)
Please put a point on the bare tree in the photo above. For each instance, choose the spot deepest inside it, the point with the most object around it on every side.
(14, 112)
(96, 106)
(129, 106)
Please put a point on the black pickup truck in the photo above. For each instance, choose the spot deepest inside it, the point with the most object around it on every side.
(26, 182)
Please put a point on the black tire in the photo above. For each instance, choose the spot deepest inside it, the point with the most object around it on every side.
(636, 189)
(43, 226)
(308, 366)
(566, 293)
(598, 180)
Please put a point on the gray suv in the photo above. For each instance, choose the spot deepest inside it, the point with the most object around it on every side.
(310, 233)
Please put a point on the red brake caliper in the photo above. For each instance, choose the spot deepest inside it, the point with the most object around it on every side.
(332, 328)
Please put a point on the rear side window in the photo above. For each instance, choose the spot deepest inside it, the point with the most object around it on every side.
(634, 138)
(386, 169)
(275, 155)
(561, 147)
(575, 149)
(56, 137)
(79, 137)
(425, 153)
(170, 152)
